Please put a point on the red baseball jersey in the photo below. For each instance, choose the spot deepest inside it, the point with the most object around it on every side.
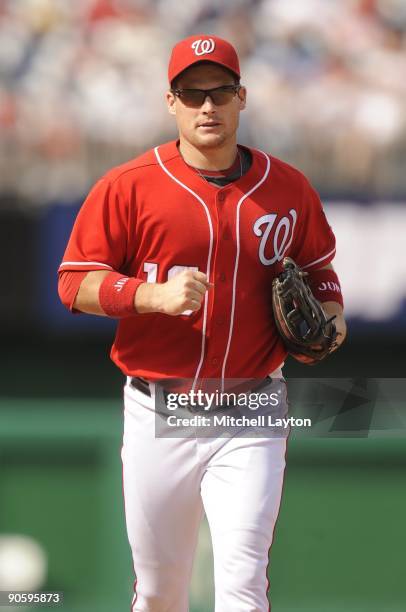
(155, 216)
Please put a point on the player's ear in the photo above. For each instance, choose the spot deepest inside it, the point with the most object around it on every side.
(242, 96)
(171, 102)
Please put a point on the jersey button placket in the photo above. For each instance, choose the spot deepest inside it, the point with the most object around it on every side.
(223, 259)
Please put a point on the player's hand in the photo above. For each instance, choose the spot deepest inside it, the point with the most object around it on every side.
(183, 292)
(335, 309)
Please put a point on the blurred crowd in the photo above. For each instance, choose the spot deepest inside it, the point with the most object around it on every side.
(82, 87)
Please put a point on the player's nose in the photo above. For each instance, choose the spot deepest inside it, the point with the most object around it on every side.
(208, 104)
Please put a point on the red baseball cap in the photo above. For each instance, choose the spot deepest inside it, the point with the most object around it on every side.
(202, 48)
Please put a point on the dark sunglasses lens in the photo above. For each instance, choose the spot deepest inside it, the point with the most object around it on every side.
(222, 96)
(195, 98)
(192, 98)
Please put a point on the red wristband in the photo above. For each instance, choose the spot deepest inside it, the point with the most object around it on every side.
(326, 286)
(116, 295)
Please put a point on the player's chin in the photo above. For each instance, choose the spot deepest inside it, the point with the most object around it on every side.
(211, 140)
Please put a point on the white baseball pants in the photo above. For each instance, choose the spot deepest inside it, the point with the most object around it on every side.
(169, 482)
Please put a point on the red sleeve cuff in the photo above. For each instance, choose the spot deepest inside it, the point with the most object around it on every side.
(68, 287)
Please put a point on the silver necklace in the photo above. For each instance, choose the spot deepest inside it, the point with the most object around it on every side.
(207, 181)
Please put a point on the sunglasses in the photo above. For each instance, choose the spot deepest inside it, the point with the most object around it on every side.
(195, 98)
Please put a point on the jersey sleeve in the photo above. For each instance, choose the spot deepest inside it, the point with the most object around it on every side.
(99, 236)
(314, 244)
(68, 286)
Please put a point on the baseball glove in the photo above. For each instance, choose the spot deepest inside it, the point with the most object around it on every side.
(305, 330)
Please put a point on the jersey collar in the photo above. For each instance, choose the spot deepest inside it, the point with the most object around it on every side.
(176, 165)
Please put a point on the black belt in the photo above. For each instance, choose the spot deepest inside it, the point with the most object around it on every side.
(140, 384)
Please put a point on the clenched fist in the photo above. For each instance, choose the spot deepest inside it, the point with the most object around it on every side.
(184, 292)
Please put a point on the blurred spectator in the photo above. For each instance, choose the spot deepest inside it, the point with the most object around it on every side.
(82, 84)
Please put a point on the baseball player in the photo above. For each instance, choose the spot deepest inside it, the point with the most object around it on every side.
(181, 246)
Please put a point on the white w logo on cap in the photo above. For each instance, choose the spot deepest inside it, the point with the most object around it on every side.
(201, 47)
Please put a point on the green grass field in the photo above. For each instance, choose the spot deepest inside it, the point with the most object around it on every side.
(339, 542)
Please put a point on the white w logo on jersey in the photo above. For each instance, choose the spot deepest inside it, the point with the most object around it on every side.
(201, 47)
(281, 239)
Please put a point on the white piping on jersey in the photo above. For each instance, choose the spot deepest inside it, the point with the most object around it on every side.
(85, 263)
(237, 257)
(320, 259)
(202, 202)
